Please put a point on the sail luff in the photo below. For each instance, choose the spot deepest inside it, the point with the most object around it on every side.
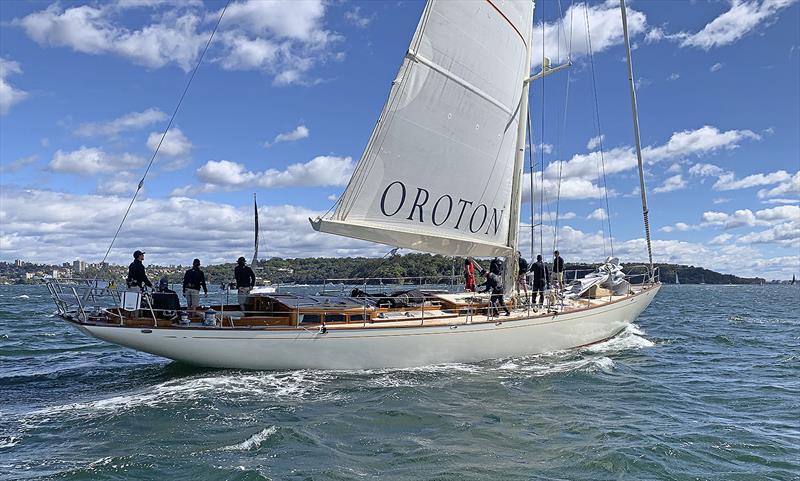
(512, 266)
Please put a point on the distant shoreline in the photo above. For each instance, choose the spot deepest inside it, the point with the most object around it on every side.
(318, 269)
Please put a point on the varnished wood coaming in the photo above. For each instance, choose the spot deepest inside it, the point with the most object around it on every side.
(267, 323)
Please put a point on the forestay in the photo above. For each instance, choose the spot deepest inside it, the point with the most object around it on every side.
(436, 174)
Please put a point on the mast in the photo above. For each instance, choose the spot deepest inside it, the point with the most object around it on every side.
(645, 211)
(511, 265)
(255, 213)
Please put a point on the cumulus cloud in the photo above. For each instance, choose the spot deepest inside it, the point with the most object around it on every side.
(276, 36)
(721, 239)
(9, 95)
(175, 144)
(678, 227)
(91, 161)
(131, 121)
(788, 187)
(676, 182)
(598, 214)
(740, 19)
(605, 29)
(715, 67)
(726, 180)
(320, 171)
(300, 132)
(595, 142)
(748, 218)
(49, 226)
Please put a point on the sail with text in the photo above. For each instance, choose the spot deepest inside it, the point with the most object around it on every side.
(436, 175)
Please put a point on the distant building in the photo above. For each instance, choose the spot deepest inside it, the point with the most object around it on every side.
(29, 275)
(19, 263)
(78, 266)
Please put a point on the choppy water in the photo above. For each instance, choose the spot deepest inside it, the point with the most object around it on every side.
(706, 386)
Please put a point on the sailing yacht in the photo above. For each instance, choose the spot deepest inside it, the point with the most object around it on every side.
(676, 279)
(457, 106)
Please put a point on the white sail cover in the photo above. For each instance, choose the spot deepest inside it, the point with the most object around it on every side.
(437, 172)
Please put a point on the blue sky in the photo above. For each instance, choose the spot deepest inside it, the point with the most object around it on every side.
(289, 92)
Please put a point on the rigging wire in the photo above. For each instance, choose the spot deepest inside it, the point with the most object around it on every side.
(163, 136)
(541, 149)
(599, 135)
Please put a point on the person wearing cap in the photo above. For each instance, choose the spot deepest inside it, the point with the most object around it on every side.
(245, 280)
(193, 281)
(136, 273)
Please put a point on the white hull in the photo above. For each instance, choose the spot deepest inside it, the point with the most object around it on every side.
(380, 347)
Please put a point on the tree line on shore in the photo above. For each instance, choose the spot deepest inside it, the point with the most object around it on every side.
(433, 268)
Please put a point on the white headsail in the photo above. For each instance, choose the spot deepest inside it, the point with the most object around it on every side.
(436, 175)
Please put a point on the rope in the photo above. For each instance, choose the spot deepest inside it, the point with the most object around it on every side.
(163, 136)
(599, 135)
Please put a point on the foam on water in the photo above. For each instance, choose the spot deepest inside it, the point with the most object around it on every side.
(292, 385)
(253, 441)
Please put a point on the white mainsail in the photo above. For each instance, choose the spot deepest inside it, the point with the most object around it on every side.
(437, 173)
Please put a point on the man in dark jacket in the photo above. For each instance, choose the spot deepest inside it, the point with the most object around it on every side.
(558, 269)
(493, 283)
(193, 281)
(245, 280)
(136, 274)
(540, 276)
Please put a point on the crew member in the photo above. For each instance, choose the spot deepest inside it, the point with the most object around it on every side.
(245, 280)
(522, 264)
(469, 275)
(193, 281)
(558, 269)
(136, 274)
(540, 276)
(493, 283)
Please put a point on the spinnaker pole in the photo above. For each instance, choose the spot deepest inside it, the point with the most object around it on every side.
(645, 211)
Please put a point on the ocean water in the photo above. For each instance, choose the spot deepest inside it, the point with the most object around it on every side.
(706, 386)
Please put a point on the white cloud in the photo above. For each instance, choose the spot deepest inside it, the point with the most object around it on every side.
(726, 180)
(676, 182)
(742, 18)
(703, 140)
(300, 132)
(595, 141)
(567, 215)
(605, 30)
(175, 144)
(118, 184)
(355, 17)
(274, 36)
(729, 182)
(720, 200)
(18, 164)
(91, 161)
(48, 226)
(598, 214)
(673, 76)
(747, 218)
(9, 95)
(675, 168)
(131, 121)
(318, 172)
(721, 239)
(715, 67)
(789, 187)
(679, 227)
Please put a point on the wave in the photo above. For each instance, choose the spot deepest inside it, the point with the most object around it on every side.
(9, 442)
(23, 296)
(279, 386)
(253, 441)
